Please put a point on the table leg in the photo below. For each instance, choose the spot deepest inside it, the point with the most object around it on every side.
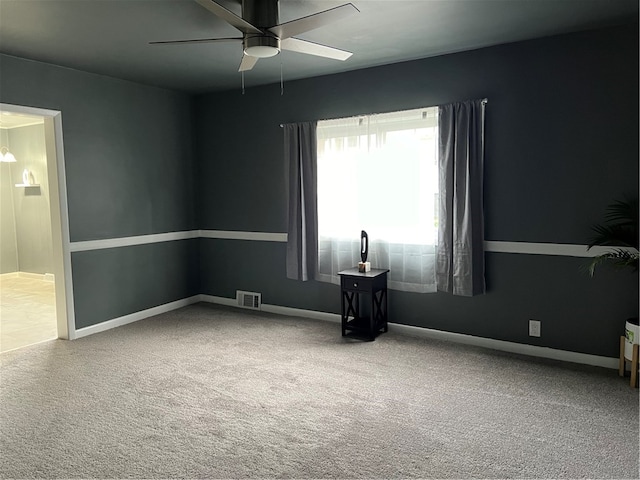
(634, 366)
(621, 365)
(343, 314)
(373, 319)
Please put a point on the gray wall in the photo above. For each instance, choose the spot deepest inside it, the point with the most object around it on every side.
(561, 144)
(136, 278)
(562, 136)
(129, 170)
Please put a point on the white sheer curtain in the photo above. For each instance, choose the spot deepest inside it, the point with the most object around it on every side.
(379, 173)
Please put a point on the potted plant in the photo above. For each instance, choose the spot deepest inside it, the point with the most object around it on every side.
(620, 233)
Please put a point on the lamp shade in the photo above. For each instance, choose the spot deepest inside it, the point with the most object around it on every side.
(6, 156)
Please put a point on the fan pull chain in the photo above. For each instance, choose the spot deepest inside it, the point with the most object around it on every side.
(242, 75)
(281, 80)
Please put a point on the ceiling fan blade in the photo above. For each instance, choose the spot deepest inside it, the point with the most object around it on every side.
(247, 63)
(310, 48)
(311, 22)
(198, 40)
(229, 17)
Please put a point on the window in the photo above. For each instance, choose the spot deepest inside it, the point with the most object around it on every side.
(379, 173)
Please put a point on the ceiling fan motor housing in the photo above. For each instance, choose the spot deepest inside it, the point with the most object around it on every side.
(263, 14)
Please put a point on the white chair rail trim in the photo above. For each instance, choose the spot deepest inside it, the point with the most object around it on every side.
(86, 245)
(527, 248)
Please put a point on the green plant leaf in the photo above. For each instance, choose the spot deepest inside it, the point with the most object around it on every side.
(614, 235)
(620, 227)
(624, 212)
(618, 257)
(619, 230)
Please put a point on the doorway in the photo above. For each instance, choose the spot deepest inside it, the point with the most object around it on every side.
(34, 244)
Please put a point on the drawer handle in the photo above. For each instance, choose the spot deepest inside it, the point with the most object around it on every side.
(355, 285)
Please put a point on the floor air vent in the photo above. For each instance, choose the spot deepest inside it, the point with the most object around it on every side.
(249, 299)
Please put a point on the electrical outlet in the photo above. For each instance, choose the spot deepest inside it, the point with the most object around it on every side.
(534, 328)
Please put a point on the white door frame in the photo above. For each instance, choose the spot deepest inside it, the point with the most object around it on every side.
(65, 314)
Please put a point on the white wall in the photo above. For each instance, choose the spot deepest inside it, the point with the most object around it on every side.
(8, 246)
(26, 211)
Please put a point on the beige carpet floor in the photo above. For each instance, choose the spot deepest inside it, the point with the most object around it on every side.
(27, 311)
(215, 392)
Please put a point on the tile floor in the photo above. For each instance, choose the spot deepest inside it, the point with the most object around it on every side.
(27, 311)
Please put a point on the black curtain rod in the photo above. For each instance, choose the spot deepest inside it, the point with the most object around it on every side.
(484, 102)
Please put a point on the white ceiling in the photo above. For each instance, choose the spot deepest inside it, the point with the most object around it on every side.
(14, 120)
(110, 37)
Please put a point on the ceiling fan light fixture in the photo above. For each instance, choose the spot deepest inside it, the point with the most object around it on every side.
(261, 51)
(261, 46)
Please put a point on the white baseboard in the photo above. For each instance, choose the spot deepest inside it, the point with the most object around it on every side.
(229, 302)
(134, 317)
(297, 312)
(33, 276)
(277, 309)
(512, 347)
(47, 277)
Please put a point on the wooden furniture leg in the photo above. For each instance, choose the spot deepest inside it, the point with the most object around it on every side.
(634, 366)
(622, 365)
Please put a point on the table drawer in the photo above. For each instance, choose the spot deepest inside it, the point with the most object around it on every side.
(357, 284)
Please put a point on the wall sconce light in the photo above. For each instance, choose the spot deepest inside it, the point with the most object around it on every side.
(6, 156)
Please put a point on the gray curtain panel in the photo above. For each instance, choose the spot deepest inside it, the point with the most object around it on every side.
(300, 152)
(460, 255)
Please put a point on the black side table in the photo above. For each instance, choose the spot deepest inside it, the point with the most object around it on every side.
(367, 323)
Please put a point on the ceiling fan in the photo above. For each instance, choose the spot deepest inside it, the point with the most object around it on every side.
(263, 36)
